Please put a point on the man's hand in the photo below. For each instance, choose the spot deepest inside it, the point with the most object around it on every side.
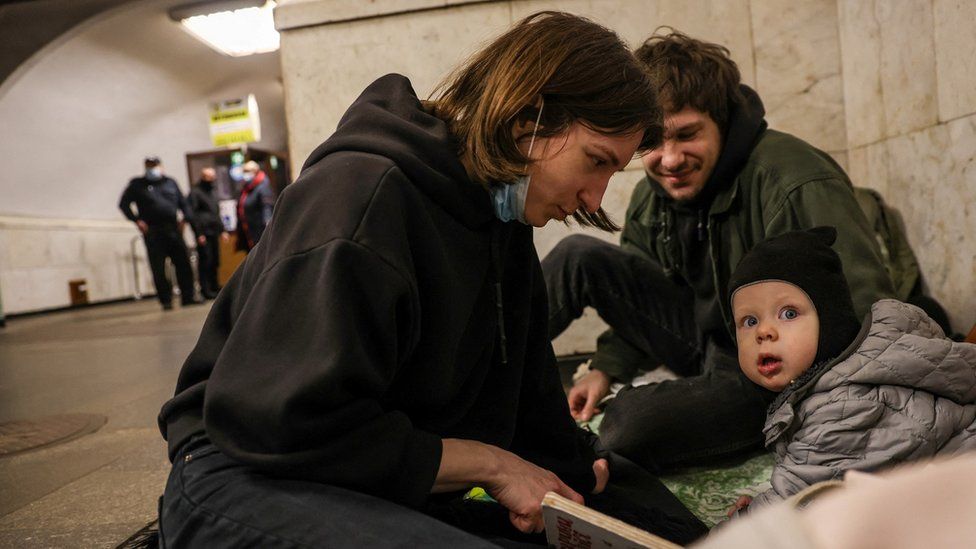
(143, 226)
(601, 470)
(587, 392)
(519, 486)
(740, 503)
(201, 240)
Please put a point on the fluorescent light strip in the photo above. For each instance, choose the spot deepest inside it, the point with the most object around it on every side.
(236, 33)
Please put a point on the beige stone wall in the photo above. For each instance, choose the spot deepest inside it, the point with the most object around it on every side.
(911, 124)
(819, 65)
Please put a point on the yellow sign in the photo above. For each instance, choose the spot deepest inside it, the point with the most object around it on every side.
(235, 121)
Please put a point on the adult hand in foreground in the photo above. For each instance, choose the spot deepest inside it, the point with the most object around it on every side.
(519, 486)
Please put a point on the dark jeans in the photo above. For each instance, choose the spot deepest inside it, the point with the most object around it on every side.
(213, 501)
(164, 241)
(208, 256)
(712, 413)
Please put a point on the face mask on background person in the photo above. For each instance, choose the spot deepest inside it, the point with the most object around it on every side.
(154, 173)
(248, 176)
(509, 200)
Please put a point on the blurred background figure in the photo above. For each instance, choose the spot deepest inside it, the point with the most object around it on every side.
(157, 199)
(254, 206)
(209, 230)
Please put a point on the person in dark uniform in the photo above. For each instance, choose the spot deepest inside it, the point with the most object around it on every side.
(157, 199)
(209, 230)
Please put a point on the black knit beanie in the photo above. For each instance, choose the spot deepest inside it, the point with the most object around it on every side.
(805, 259)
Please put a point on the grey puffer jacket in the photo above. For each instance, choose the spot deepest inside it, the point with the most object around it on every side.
(900, 392)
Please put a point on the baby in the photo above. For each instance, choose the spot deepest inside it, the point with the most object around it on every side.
(853, 395)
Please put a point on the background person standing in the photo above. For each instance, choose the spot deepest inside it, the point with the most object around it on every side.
(157, 199)
(209, 229)
(254, 207)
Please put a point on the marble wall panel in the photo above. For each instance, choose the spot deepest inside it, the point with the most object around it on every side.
(66, 247)
(841, 158)
(27, 249)
(955, 62)
(40, 257)
(326, 67)
(15, 291)
(860, 39)
(931, 180)
(726, 22)
(723, 21)
(632, 21)
(300, 13)
(907, 65)
(868, 167)
(798, 69)
(956, 197)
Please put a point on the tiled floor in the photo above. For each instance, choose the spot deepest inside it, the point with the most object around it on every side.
(119, 361)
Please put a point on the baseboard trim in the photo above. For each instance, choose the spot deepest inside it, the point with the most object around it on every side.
(66, 308)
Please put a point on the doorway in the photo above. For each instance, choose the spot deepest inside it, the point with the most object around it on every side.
(228, 164)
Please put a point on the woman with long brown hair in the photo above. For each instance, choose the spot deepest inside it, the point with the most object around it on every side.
(384, 348)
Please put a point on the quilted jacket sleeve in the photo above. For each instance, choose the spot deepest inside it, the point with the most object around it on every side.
(852, 428)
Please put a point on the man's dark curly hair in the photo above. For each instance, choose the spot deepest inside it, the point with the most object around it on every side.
(690, 72)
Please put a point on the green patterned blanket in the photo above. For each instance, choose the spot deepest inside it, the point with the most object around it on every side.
(710, 491)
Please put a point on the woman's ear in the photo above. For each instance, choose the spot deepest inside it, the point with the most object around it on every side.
(526, 119)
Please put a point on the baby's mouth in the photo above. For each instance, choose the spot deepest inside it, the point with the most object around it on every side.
(769, 364)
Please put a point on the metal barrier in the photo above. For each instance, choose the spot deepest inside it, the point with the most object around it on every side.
(137, 293)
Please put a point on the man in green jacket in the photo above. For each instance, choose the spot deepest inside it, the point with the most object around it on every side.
(720, 183)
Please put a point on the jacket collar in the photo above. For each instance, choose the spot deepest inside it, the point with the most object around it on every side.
(780, 414)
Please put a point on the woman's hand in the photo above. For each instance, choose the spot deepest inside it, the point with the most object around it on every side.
(519, 486)
(601, 470)
(516, 484)
(586, 393)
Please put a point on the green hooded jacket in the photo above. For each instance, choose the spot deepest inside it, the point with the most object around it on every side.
(785, 185)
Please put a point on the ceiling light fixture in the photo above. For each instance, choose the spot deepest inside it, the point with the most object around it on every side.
(236, 28)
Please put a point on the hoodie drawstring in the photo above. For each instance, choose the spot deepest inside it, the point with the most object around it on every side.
(495, 254)
(701, 225)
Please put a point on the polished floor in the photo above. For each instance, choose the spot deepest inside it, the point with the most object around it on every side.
(118, 361)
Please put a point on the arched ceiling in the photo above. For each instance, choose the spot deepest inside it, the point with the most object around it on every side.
(26, 26)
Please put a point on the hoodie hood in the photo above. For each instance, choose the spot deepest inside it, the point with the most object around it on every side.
(746, 125)
(907, 348)
(388, 120)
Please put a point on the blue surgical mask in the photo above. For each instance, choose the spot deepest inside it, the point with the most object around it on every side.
(509, 200)
(154, 173)
(248, 176)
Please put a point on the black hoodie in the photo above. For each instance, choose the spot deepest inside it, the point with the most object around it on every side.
(365, 326)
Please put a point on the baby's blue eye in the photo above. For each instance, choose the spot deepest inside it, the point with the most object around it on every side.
(749, 322)
(789, 314)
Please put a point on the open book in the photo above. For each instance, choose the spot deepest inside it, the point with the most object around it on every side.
(570, 525)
